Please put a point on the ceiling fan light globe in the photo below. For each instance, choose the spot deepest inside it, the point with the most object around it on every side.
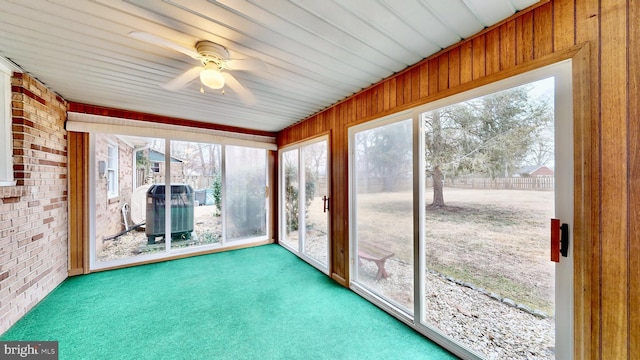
(212, 78)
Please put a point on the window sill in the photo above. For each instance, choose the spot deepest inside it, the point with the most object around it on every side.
(12, 191)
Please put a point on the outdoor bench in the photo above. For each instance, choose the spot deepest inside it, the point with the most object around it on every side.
(376, 254)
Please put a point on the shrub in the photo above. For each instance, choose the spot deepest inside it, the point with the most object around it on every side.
(292, 198)
(217, 193)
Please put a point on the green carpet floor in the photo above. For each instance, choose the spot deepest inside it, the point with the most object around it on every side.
(257, 303)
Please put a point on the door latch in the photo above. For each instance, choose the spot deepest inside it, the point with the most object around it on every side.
(325, 203)
(559, 240)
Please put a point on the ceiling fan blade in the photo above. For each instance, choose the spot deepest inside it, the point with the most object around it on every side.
(156, 40)
(244, 93)
(183, 79)
(247, 65)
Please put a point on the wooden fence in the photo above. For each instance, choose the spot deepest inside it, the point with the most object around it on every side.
(546, 183)
(540, 183)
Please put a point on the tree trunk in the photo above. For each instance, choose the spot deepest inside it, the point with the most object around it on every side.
(438, 148)
(438, 197)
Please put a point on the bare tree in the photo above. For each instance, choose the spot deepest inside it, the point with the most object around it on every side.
(386, 152)
(492, 135)
(542, 150)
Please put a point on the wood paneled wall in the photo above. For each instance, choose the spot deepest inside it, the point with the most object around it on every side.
(633, 176)
(607, 261)
(78, 164)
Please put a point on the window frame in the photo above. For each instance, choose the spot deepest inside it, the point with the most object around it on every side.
(6, 136)
(168, 136)
(113, 167)
(155, 167)
(388, 305)
(227, 176)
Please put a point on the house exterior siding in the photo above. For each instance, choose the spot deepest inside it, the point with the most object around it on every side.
(109, 219)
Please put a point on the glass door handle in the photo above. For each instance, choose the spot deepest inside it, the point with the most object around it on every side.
(559, 240)
(325, 203)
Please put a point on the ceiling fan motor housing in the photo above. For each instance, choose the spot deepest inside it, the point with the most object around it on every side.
(211, 51)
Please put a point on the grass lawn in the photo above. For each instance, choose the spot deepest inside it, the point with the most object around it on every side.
(494, 239)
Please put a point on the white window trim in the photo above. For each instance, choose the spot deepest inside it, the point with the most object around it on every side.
(6, 138)
(116, 170)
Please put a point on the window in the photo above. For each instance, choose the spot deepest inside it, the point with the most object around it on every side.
(155, 167)
(219, 197)
(112, 171)
(245, 192)
(6, 152)
(382, 210)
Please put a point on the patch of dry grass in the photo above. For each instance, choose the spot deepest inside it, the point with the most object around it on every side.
(494, 239)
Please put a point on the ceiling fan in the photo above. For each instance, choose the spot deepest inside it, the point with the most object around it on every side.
(215, 71)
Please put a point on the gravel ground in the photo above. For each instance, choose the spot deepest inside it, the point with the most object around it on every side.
(489, 326)
(207, 230)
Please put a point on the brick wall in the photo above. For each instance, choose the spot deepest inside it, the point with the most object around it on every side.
(33, 214)
(109, 220)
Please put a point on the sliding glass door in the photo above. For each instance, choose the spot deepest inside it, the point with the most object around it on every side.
(382, 212)
(304, 201)
(489, 175)
(450, 211)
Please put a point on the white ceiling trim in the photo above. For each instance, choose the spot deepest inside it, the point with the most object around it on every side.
(8, 66)
(89, 123)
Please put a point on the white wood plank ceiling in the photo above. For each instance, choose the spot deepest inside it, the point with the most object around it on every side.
(317, 52)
